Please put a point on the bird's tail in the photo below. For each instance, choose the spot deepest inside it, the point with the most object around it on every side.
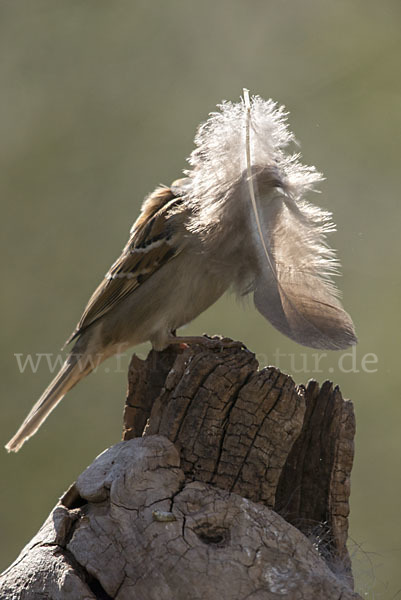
(70, 373)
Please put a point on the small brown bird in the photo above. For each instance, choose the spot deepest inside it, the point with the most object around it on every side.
(237, 221)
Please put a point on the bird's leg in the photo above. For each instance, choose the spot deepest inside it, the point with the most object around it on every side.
(202, 340)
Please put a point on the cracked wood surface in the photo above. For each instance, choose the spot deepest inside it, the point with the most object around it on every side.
(238, 489)
(214, 545)
(253, 432)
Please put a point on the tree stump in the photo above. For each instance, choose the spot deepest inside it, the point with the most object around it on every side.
(231, 483)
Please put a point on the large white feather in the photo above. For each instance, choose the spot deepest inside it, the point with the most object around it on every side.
(244, 187)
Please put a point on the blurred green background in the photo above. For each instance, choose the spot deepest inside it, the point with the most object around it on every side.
(99, 102)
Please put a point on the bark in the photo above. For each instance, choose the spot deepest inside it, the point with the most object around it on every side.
(231, 483)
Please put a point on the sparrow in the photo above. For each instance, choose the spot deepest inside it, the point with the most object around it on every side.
(238, 221)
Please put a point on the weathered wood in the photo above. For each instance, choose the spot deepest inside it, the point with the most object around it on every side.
(314, 487)
(238, 488)
(254, 432)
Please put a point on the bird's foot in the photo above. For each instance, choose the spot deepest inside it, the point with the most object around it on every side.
(214, 343)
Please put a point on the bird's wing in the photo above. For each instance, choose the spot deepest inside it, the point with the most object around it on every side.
(153, 242)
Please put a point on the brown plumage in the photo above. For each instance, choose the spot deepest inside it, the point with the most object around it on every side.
(151, 245)
(237, 221)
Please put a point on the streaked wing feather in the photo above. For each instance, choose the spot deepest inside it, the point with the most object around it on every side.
(152, 244)
(134, 271)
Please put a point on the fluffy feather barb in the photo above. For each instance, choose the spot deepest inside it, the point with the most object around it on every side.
(219, 159)
(245, 190)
